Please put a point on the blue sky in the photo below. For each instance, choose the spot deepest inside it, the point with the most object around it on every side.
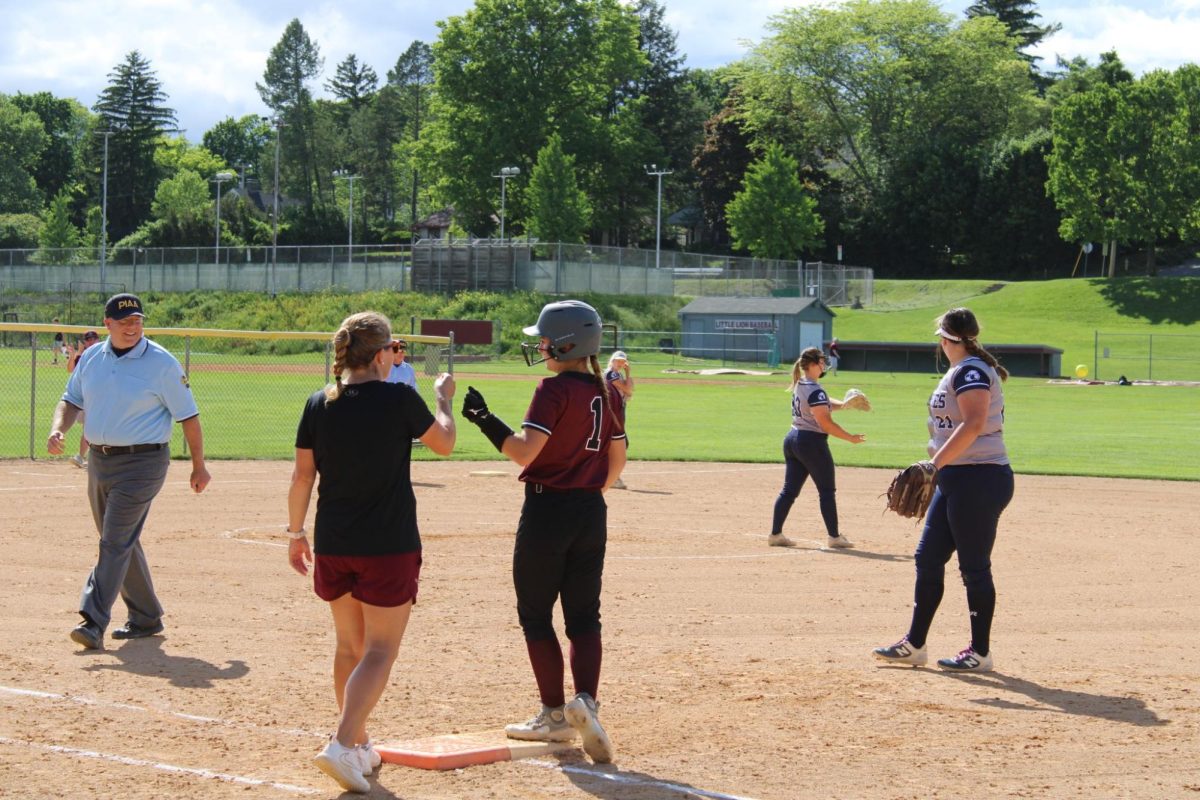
(209, 53)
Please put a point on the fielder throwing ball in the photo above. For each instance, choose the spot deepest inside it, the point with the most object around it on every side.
(357, 434)
(806, 449)
(571, 446)
(974, 485)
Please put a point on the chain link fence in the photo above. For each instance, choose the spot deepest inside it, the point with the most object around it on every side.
(255, 383)
(438, 265)
(1146, 356)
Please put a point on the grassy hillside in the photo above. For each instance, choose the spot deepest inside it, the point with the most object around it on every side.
(1062, 313)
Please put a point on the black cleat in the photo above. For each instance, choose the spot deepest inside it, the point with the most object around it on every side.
(89, 635)
(131, 630)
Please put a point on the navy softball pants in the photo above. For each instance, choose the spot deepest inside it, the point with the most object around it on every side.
(962, 518)
(807, 453)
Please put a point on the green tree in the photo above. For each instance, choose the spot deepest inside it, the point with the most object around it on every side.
(1019, 17)
(65, 122)
(59, 235)
(721, 161)
(353, 82)
(176, 154)
(903, 105)
(509, 73)
(558, 208)
(182, 199)
(408, 103)
(19, 231)
(294, 61)
(773, 216)
(22, 140)
(131, 107)
(241, 142)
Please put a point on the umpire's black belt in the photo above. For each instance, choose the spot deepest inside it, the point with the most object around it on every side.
(124, 449)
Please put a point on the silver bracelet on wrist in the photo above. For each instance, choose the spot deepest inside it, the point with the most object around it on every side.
(300, 534)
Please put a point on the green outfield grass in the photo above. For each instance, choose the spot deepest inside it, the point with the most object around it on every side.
(1134, 431)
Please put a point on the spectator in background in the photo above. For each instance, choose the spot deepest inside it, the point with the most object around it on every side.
(59, 342)
(401, 371)
(834, 356)
(73, 354)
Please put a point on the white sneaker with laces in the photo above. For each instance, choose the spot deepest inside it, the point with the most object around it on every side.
(779, 540)
(967, 661)
(371, 758)
(902, 652)
(550, 725)
(345, 765)
(583, 714)
(78, 461)
(839, 543)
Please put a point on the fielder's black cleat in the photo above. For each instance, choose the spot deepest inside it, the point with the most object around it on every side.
(131, 630)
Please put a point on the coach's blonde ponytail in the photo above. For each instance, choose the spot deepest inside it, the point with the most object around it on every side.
(355, 344)
(961, 322)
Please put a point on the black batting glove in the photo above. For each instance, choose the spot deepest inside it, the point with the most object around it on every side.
(474, 407)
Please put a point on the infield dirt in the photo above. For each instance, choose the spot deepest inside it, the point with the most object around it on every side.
(731, 669)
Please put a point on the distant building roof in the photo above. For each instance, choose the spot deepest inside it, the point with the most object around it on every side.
(438, 219)
(688, 215)
(752, 305)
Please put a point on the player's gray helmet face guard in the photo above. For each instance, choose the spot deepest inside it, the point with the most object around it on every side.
(565, 323)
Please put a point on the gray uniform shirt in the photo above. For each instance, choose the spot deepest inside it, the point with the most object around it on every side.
(805, 396)
(971, 374)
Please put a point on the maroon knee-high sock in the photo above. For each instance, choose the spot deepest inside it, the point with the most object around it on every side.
(546, 658)
(586, 652)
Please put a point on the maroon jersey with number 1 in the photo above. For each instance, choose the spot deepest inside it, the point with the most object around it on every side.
(569, 409)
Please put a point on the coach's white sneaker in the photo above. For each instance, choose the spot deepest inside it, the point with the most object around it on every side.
(371, 758)
(902, 652)
(779, 540)
(78, 461)
(839, 543)
(967, 661)
(582, 713)
(345, 765)
(550, 725)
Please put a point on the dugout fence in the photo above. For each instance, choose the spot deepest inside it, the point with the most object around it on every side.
(250, 385)
(1146, 356)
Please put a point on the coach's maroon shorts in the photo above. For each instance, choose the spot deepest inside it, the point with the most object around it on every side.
(386, 581)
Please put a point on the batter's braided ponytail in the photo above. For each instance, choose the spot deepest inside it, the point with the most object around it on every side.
(598, 376)
(962, 323)
(356, 342)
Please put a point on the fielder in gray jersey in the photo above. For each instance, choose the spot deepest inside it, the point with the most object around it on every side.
(945, 415)
(974, 486)
(806, 450)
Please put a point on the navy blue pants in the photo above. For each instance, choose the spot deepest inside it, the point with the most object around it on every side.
(807, 453)
(962, 518)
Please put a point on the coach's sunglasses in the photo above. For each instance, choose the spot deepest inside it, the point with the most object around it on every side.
(399, 347)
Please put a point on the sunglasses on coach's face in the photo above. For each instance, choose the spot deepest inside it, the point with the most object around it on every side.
(398, 348)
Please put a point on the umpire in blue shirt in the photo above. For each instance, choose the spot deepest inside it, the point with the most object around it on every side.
(131, 389)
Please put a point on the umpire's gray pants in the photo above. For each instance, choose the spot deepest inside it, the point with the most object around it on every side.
(120, 489)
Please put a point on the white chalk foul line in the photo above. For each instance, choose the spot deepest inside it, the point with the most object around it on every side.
(631, 780)
(140, 762)
(89, 701)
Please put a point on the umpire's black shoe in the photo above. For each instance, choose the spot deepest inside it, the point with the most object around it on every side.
(131, 630)
(89, 635)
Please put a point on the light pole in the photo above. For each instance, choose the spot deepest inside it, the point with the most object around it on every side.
(504, 174)
(277, 123)
(653, 169)
(341, 173)
(218, 179)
